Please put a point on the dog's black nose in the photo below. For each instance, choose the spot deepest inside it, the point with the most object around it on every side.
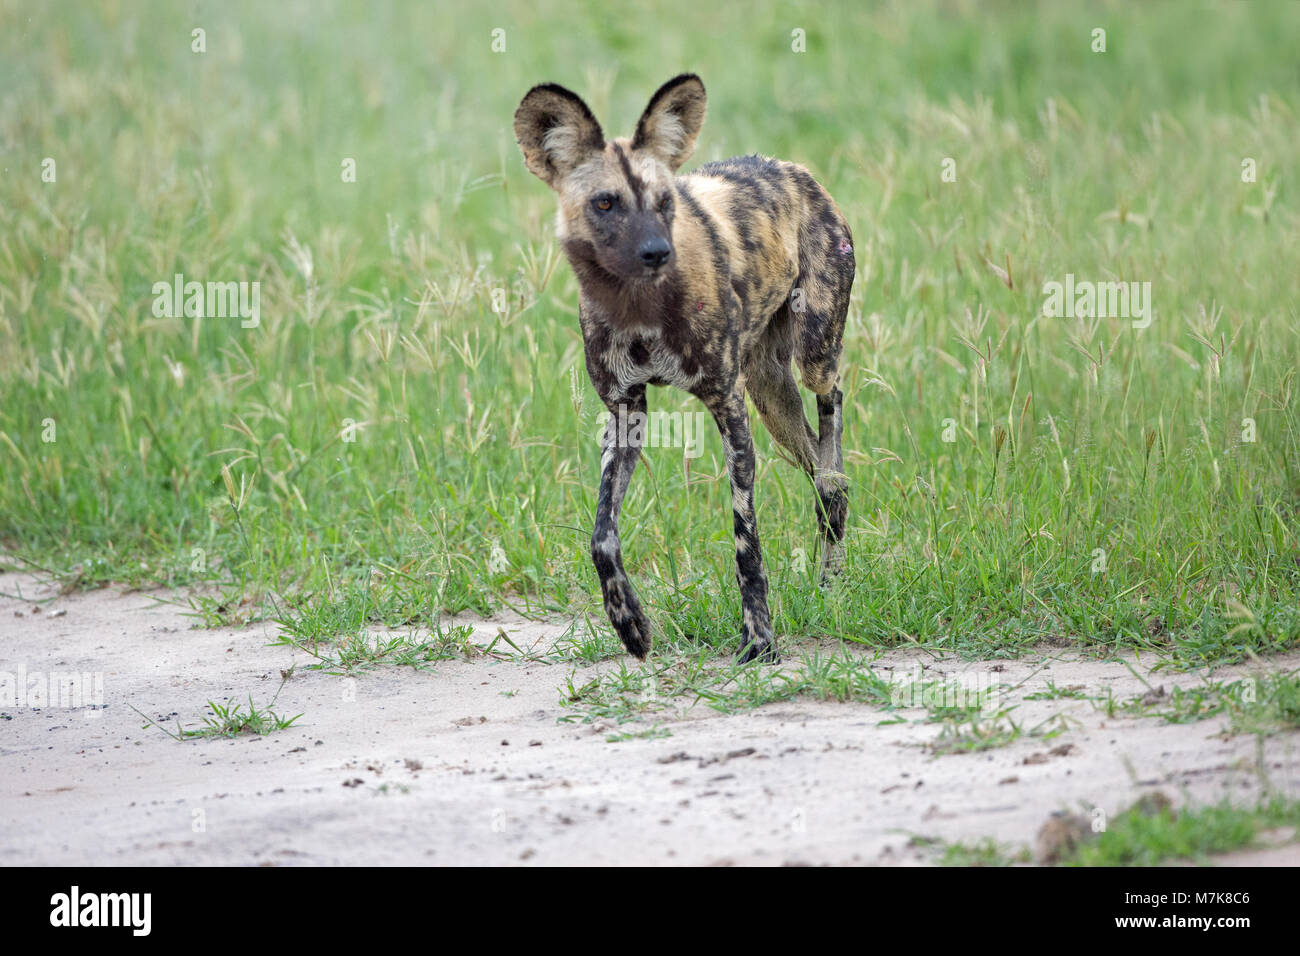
(655, 252)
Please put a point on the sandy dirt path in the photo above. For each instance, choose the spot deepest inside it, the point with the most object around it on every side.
(467, 763)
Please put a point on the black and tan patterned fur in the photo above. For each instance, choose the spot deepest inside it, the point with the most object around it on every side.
(714, 282)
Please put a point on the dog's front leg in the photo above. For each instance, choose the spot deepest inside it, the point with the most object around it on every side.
(756, 639)
(624, 436)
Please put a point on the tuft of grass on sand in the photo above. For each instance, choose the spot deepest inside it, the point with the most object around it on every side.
(230, 719)
(1140, 839)
(1264, 705)
(1150, 833)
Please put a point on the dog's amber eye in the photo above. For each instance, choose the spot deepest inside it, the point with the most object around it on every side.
(604, 204)
(665, 203)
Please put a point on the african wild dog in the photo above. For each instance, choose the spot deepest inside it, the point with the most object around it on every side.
(711, 282)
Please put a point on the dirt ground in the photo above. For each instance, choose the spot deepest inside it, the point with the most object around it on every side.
(467, 763)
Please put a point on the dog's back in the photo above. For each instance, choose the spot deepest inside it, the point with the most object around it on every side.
(788, 246)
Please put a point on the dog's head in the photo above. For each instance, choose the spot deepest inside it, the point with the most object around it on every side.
(617, 199)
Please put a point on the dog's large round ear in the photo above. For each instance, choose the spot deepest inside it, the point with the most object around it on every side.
(672, 121)
(556, 132)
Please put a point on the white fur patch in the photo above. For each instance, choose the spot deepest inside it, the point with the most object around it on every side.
(563, 144)
(668, 134)
(664, 364)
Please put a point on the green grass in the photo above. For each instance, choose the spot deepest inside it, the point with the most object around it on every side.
(1052, 692)
(232, 720)
(997, 457)
(1265, 705)
(986, 852)
(347, 655)
(1139, 839)
(1150, 833)
(671, 686)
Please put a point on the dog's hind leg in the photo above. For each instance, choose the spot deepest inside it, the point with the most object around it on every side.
(819, 332)
(832, 486)
(779, 403)
(769, 380)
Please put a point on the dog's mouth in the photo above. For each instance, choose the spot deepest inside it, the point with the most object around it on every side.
(653, 275)
(641, 277)
(616, 269)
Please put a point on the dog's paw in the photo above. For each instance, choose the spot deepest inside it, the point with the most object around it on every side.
(625, 615)
(634, 632)
(832, 566)
(763, 651)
